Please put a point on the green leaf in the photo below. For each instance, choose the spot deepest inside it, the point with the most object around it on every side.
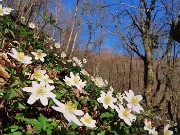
(12, 33)
(102, 133)
(43, 121)
(19, 116)
(17, 133)
(16, 83)
(36, 124)
(10, 94)
(106, 115)
(28, 133)
(21, 106)
(73, 125)
(13, 128)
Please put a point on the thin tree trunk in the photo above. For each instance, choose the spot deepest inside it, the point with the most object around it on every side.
(79, 28)
(165, 104)
(72, 28)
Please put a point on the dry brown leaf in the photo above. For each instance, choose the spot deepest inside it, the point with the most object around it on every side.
(3, 72)
(4, 61)
(2, 82)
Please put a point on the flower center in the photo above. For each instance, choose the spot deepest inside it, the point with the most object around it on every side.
(167, 132)
(107, 99)
(88, 119)
(126, 113)
(71, 107)
(37, 74)
(46, 80)
(39, 53)
(41, 91)
(1, 10)
(149, 126)
(76, 79)
(135, 101)
(20, 56)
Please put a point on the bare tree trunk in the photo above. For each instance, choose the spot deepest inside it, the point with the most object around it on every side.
(130, 70)
(79, 27)
(165, 104)
(148, 73)
(72, 28)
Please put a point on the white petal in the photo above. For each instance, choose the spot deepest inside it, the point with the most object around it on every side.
(139, 97)
(32, 99)
(42, 59)
(28, 89)
(68, 116)
(61, 105)
(78, 112)
(14, 51)
(75, 120)
(34, 53)
(12, 55)
(44, 101)
(50, 94)
(57, 109)
(127, 121)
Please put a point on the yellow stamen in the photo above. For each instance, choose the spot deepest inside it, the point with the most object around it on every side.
(149, 126)
(20, 55)
(126, 113)
(107, 99)
(37, 74)
(87, 119)
(135, 101)
(41, 91)
(71, 107)
(76, 79)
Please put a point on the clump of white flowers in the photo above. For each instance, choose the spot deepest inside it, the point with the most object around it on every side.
(20, 56)
(39, 91)
(63, 55)
(88, 121)
(57, 45)
(99, 81)
(107, 99)
(39, 55)
(5, 10)
(31, 25)
(75, 80)
(69, 110)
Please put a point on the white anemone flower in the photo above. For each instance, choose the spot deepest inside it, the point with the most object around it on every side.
(166, 131)
(88, 121)
(1, 10)
(31, 25)
(39, 91)
(57, 45)
(107, 99)
(84, 72)
(75, 80)
(154, 132)
(69, 110)
(19, 56)
(63, 55)
(133, 101)
(39, 55)
(84, 61)
(125, 114)
(38, 74)
(7, 10)
(148, 126)
(98, 81)
(46, 79)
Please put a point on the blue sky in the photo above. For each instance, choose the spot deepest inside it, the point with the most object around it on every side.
(110, 41)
